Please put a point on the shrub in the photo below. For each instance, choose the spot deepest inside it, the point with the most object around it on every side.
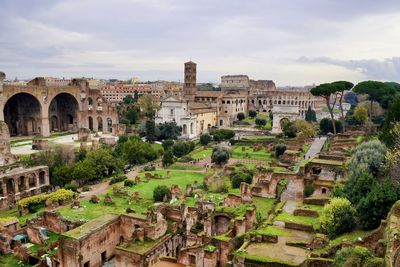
(168, 158)
(260, 122)
(252, 113)
(181, 148)
(222, 134)
(149, 168)
(240, 116)
(356, 256)
(238, 177)
(59, 195)
(73, 187)
(160, 192)
(338, 217)
(308, 190)
(289, 129)
(280, 150)
(166, 144)
(117, 179)
(376, 204)
(129, 183)
(220, 155)
(205, 139)
(185, 159)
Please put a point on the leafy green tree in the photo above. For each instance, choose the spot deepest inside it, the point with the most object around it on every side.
(289, 129)
(367, 157)
(219, 155)
(358, 187)
(102, 162)
(341, 88)
(238, 178)
(161, 192)
(83, 173)
(168, 158)
(240, 116)
(361, 114)
(326, 90)
(151, 134)
(181, 148)
(305, 128)
(132, 115)
(205, 139)
(62, 175)
(376, 204)
(252, 113)
(167, 144)
(135, 151)
(128, 100)
(375, 91)
(338, 217)
(310, 115)
(391, 117)
(169, 130)
(260, 122)
(325, 126)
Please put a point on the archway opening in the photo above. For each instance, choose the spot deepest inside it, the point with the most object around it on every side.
(64, 108)
(22, 113)
(90, 123)
(100, 124)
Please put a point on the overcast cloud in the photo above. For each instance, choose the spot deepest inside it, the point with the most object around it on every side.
(293, 42)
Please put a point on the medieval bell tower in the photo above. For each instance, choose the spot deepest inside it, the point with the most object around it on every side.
(189, 87)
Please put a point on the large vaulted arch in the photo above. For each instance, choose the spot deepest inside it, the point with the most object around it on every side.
(22, 113)
(63, 111)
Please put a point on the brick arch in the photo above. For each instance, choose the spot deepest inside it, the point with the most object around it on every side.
(22, 113)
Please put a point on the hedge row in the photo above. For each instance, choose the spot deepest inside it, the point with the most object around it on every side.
(59, 195)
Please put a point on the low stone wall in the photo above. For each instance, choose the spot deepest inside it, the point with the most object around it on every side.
(316, 201)
(318, 262)
(306, 212)
(299, 226)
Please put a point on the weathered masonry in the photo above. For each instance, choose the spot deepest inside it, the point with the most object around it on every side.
(20, 183)
(39, 108)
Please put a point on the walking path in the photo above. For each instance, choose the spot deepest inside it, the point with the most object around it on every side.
(316, 147)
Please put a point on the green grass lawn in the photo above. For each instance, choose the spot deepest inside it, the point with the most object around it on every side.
(263, 205)
(90, 210)
(237, 153)
(201, 153)
(10, 261)
(14, 213)
(285, 217)
(273, 230)
(177, 166)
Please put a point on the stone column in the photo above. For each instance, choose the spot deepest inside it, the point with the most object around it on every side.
(16, 189)
(4, 186)
(37, 183)
(45, 131)
(26, 180)
(95, 125)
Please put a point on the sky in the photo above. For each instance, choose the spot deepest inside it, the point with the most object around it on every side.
(293, 42)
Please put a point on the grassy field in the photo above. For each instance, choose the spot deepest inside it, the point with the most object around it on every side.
(263, 205)
(237, 153)
(14, 213)
(201, 153)
(285, 217)
(90, 210)
(10, 261)
(177, 166)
